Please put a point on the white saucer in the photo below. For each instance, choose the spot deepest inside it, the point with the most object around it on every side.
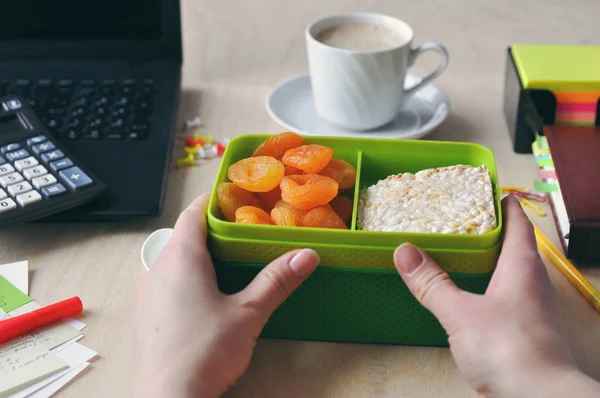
(290, 104)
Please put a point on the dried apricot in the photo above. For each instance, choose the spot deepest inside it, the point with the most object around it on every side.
(308, 158)
(257, 174)
(298, 213)
(277, 145)
(230, 197)
(306, 191)
(343, 207)
(283, 216)
(341, 171)
(270, 198)
(252, 215)
(292, 171)
(323, 217)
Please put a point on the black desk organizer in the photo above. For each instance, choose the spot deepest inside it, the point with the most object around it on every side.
(527, 110)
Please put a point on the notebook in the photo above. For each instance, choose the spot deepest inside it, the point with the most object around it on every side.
(575, 152)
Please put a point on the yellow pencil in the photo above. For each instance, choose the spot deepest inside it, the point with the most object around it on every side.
(580, 282)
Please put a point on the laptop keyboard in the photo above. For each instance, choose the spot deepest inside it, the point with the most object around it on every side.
(107, 109)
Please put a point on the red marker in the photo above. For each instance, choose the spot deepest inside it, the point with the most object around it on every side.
(16, 326)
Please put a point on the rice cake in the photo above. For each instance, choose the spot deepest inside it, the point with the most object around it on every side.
(455, 199)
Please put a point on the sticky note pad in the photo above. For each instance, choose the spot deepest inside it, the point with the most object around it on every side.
(540, 186)
(10, 297)
(558, 68)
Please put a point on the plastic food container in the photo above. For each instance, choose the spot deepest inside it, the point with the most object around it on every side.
(356, 295)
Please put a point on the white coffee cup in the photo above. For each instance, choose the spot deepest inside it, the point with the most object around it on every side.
(364, 89)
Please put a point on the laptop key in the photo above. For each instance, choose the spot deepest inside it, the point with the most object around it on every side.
(93, 135)
(43, 83)
(72, 135)
(115, 136)
(53, 125)
(117, 123)
(65, 82)
(22, 82)
(86, 91)
(88, 82)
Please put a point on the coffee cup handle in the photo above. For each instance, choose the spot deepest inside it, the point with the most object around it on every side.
(415, 52)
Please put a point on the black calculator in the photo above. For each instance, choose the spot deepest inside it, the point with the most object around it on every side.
(38, 175)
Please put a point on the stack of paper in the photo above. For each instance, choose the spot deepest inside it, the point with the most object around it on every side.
(39, 363)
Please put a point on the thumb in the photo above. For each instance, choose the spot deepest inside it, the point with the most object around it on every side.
(429, 283)
(278, 280)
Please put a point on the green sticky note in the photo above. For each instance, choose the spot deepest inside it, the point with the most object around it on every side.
(11, 298)
(545, 162)
(541, 186)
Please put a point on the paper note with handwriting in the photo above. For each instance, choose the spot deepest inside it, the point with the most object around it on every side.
(75, 356)
(18, 370)
(10, 297)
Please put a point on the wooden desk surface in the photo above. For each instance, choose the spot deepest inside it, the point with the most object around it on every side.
(235, 52)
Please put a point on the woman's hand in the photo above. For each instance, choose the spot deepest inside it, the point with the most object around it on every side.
(192, 340)
(508, 342)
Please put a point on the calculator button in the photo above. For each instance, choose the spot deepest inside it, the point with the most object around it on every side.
(36, 171)
(7, 204)
(19, 188)
(16, 155)
(26, 163)
(61, 164)
(43, 147)
(54, 155)
(2, 161)
(10, 179)
(6, 169)
(29, 198)
(2, 194)
(10, 147)
(43, 181)
(36, 140)
(75, 178)
(53, 190)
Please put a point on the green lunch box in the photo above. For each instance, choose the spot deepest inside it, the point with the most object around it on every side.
(374, 159)
(350, 306)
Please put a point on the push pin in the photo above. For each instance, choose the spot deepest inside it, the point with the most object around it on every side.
(195, 122)
(220, 149)
(205, 138)
(211, 151)
(190, 142)
(187, 161)
(191, 150)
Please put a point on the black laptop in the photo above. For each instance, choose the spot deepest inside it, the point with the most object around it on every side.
(104, 77)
